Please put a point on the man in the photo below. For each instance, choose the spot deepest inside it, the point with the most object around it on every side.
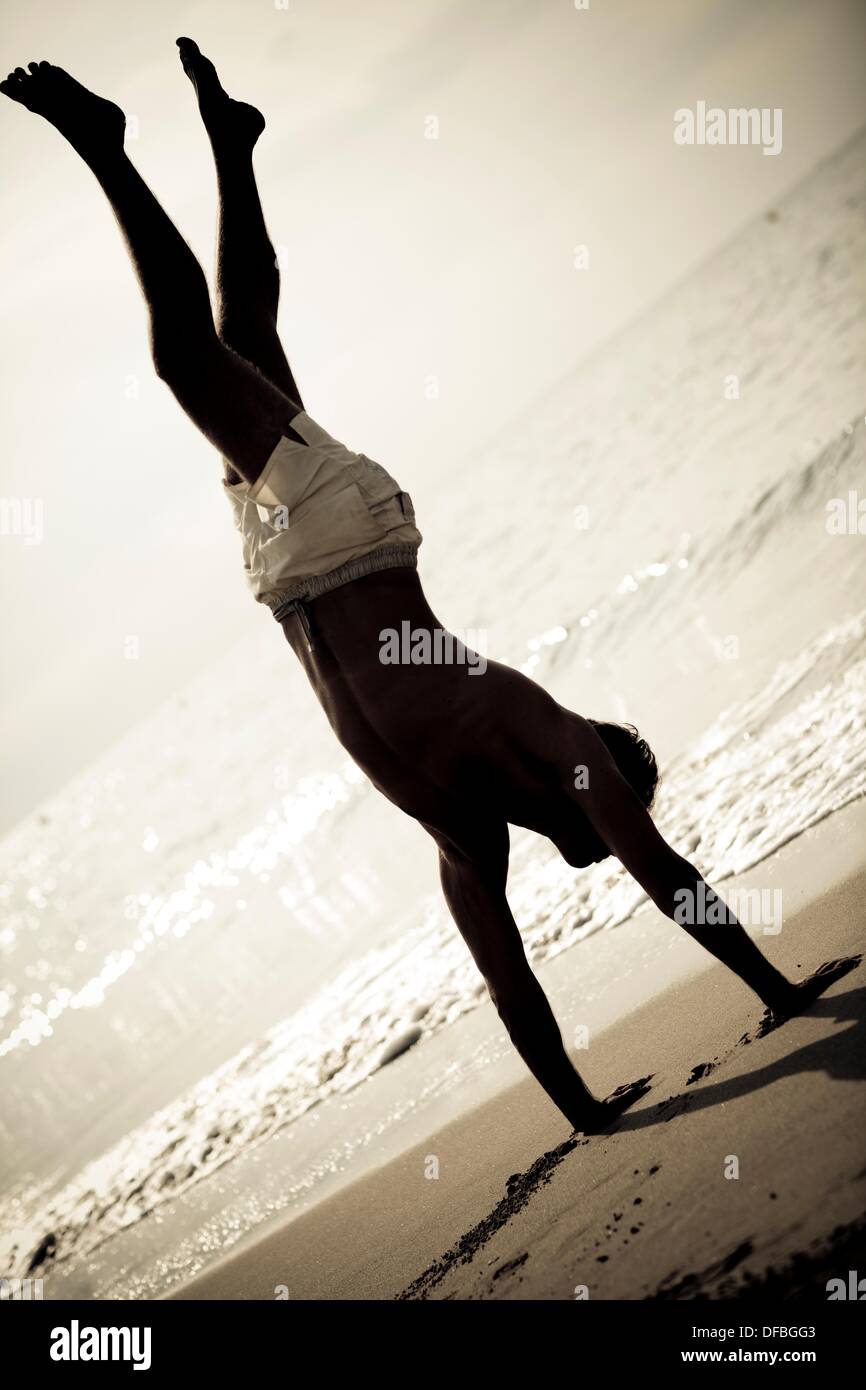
(330, 545)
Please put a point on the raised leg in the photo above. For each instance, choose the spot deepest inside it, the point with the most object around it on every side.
(474, 888)
(239, 411)
(247, 274)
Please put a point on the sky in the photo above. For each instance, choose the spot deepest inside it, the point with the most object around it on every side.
(406, 260)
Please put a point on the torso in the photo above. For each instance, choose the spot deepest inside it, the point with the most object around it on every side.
(433, 738)
(398, 722)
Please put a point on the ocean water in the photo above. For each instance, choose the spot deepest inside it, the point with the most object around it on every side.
(213, 940)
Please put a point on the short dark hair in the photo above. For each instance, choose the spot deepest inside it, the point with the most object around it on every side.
(632, 755)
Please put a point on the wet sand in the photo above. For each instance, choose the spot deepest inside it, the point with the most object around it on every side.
(742, 1172)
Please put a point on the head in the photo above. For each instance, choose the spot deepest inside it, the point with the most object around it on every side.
(632, 755)
(636, 762)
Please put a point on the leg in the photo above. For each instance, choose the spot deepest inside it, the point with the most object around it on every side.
(247, 275)
(474, 888)
(232, 404)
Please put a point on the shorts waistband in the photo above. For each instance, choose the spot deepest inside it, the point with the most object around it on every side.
(296, 592)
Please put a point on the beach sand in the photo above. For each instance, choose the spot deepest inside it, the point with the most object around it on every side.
(742, 1171)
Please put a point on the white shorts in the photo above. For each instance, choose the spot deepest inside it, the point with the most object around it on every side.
(319, 516)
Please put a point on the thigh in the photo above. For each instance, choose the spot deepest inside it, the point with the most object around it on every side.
(251, 332)
(235, 407)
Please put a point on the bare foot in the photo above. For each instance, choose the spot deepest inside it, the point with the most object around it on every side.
(92, 125)
(798, 997)
(230, 124)
(605, 1112)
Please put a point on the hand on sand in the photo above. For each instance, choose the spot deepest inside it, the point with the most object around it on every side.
(800, 996)
(607, 1112)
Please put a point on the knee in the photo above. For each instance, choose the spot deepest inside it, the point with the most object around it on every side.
(180, 355)
(166, 358)
(182, 332)
(170, 361)
(245, 328)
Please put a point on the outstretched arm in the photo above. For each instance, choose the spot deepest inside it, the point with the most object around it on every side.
(630, 833)
(474, 888)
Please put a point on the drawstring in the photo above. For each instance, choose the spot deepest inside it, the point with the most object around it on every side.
(297, 605)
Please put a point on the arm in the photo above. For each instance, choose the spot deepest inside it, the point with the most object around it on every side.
(474, 890)
(627, 828)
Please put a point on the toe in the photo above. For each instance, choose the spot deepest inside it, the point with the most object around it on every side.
(19, 72)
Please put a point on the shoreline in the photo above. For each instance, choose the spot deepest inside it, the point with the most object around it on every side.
(520, 1208)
